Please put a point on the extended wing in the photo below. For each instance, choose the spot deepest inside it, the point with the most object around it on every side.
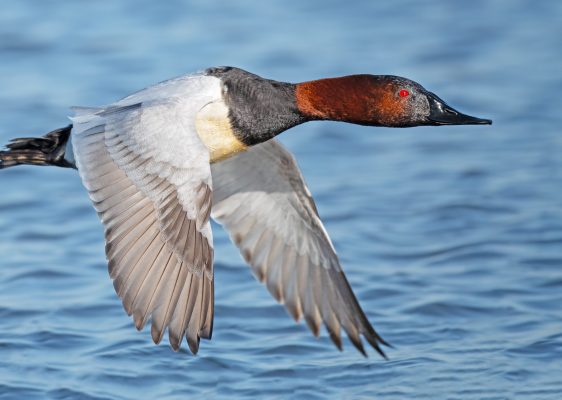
(148, 175)
(262, 200)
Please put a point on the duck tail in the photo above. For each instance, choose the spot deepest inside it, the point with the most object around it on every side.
(46, 150)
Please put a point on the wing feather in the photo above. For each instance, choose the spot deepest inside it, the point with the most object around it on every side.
(261, 198)
(148, 175)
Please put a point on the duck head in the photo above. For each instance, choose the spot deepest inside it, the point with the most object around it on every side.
(377, 100)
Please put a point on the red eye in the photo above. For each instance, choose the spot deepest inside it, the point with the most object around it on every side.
(404, 93)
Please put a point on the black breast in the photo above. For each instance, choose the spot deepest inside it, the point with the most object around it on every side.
(259, 108)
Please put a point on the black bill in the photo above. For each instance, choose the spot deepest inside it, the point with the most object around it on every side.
(440, 113)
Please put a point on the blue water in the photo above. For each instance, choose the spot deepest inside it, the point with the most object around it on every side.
(450, 236)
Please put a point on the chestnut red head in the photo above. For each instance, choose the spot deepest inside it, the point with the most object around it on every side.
(377, 100)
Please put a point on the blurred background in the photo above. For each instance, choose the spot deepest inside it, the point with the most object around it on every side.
(450, 236)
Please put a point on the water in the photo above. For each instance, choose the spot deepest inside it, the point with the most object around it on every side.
(451, 237)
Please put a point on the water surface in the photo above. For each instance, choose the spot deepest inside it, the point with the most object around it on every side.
(450, 236)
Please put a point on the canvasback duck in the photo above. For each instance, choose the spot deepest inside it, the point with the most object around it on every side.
(160, 162)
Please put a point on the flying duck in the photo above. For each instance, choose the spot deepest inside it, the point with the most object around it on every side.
(162, 161)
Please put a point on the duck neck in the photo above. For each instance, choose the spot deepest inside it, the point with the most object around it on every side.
(349, 98)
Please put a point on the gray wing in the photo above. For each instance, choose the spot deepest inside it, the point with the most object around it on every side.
(262, 200)
(148, 176)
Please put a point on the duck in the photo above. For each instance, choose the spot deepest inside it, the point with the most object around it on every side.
(161, 162)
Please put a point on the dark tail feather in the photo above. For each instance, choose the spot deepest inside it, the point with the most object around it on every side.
(46, 150)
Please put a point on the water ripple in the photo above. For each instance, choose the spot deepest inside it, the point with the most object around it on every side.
(450, 236)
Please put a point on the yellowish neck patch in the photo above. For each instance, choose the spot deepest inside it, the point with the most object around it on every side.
(214, 129)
